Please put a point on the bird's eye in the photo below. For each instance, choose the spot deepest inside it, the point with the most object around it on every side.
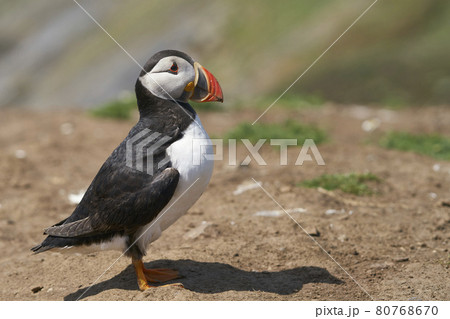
(174, 68)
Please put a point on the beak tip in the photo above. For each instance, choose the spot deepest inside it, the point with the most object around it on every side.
(208, 87)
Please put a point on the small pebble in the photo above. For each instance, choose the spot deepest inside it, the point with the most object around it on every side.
(278, 213)
(380, 265)
(66, 128)
(312, 231)
(370, 125)
(35, 290)
(269, 213)
(246, 187)
(285, 189)
(334, 211)
(20, 154)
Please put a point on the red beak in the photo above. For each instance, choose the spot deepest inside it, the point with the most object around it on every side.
(207, 88)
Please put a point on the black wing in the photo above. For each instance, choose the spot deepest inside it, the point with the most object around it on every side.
(121, 198)
(118, 203)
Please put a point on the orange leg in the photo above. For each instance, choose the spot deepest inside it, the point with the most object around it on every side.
(153, 275)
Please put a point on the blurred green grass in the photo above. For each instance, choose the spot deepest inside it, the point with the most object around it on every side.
(393, 57)
(288, 101)
(289, 129)
(120, 109)
(352, 183)
(434, 145)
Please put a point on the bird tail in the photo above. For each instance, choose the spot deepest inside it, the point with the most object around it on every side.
(40, 248)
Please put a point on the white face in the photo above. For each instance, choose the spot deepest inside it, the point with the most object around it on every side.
(168, 78)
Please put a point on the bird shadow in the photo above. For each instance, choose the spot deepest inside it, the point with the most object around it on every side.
(209, 278)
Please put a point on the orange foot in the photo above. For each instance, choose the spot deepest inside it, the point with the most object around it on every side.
(154, 275)
(161, 274)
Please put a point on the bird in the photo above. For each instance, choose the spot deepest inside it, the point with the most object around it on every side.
(155, 174)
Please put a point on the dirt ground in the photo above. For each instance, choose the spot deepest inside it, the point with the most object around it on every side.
(394, 244)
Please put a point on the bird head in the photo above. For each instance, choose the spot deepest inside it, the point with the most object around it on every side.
(173, 75)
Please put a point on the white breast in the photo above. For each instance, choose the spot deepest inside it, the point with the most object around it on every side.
(189, 156)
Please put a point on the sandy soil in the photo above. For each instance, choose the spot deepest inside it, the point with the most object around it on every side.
(394, 244)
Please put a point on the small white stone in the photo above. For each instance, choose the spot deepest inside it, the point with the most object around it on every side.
(296, 210)
(21, 154)
(370, 125)
(67, 128)
(246, 187)
(269, 213)
(432, 195)
(334, 211)
(277, 213)
(436, 167)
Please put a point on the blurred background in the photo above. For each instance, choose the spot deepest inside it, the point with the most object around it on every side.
(53, 55)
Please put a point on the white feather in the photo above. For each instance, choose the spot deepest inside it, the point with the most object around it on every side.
(167, 85)
(189, 156)
(116, 243)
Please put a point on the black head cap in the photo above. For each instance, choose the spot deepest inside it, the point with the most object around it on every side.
(162, 54)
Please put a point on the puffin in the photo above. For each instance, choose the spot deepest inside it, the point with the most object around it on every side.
(154, 176)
